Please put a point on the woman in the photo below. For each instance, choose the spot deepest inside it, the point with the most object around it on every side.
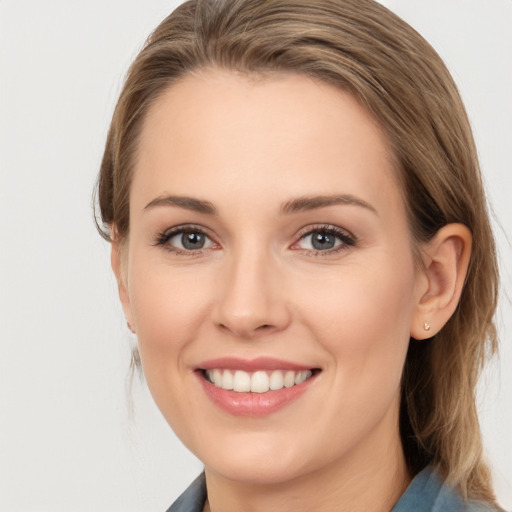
(301, 242)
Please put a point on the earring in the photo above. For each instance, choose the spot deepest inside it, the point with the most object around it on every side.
(130, 327)
(426, 326)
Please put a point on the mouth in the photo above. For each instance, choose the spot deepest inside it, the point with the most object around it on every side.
(259, 381)
(256, 387)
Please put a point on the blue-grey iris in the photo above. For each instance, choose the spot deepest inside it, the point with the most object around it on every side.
(193, 240)
(322, 241)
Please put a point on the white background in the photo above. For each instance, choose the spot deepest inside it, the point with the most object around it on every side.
(67, 441)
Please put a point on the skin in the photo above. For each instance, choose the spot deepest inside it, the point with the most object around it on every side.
(248, 146)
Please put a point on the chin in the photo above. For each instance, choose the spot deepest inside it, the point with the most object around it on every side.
(258, 461)
(255, 472)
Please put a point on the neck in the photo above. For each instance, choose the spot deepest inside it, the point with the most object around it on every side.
(373, 479)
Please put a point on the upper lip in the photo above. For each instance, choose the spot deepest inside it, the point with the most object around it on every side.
(251, 365)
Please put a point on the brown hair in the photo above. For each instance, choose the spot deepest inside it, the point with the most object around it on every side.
(361, 47)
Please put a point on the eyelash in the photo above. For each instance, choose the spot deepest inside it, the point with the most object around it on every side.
(163, 238)
(346, 238)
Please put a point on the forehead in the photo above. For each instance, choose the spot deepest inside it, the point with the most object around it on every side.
(256, 133)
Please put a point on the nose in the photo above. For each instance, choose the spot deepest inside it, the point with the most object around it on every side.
(252, 299)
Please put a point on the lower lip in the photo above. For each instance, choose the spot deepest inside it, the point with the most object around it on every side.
(253, 404)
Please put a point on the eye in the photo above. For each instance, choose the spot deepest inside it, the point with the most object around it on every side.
(185, 240)
(189, 240)
(325, 239)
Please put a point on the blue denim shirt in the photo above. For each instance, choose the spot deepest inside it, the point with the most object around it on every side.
(426, 493)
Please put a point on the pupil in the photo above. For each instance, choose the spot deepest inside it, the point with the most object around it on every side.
(192, 241)
(323, 241)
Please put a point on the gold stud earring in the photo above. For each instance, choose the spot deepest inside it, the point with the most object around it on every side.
(426, 326)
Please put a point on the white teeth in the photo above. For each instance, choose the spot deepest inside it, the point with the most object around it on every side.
(276, 380)
(241, 382)
(260, 381)
(227, 380)
(302, 376)
(289, 379)
(217, 378)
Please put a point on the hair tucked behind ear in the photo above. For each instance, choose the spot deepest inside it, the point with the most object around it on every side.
(361, 47)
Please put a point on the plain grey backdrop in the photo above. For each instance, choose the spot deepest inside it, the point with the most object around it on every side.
(69, 440)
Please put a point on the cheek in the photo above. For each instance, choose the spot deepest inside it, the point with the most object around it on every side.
(361, 319)
(168, 306)
(362, 316)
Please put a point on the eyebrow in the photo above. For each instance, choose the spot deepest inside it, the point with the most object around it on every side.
(305, 203)
(299, 204)
(189, 203)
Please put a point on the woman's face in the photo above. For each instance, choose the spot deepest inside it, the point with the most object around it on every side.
(269, 244)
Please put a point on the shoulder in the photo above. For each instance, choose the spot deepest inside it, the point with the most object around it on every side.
(428, 493)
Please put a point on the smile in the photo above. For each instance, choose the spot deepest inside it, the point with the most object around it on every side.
(260, 381)
(254, 387)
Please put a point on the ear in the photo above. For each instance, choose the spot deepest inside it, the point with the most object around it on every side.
(118, 260)
(440, 281)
